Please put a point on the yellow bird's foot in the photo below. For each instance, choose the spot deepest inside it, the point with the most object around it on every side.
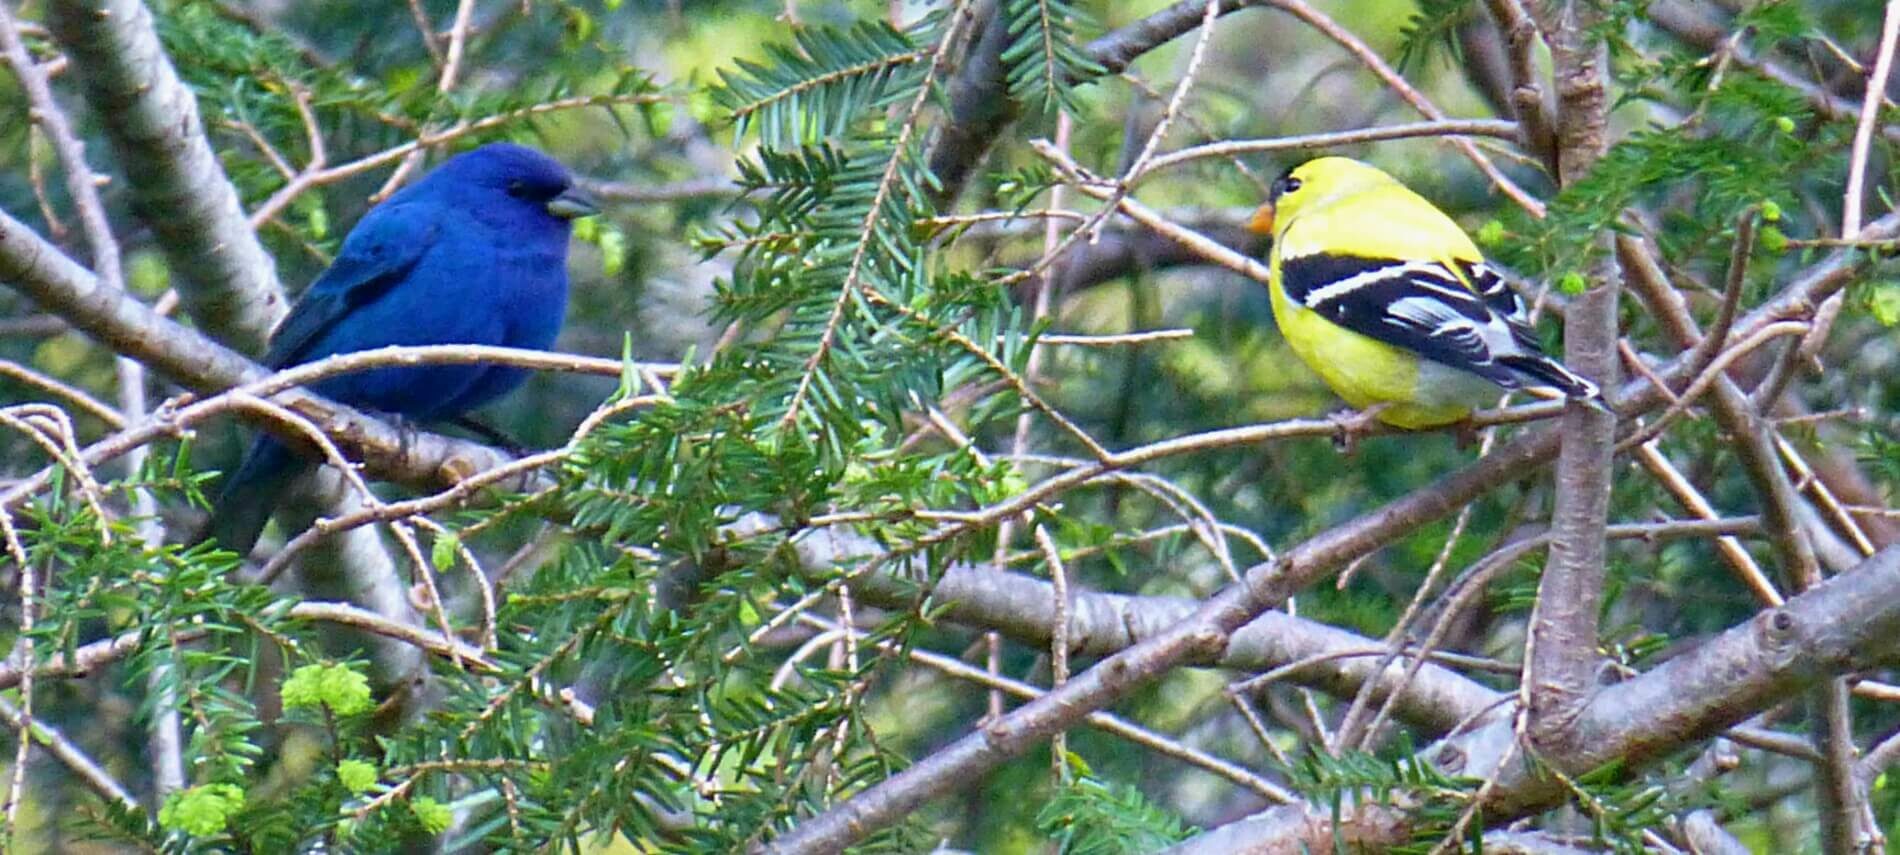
(1466, 434)
(1350, 425)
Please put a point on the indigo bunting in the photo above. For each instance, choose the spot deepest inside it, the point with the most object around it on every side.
(473, 253)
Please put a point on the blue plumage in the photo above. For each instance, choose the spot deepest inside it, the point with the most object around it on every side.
(474, 253)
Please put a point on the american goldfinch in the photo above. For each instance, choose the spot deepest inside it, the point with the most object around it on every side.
(1383, 296)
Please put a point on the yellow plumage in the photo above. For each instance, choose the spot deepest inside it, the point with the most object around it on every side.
(1383, 258)
(1362, 370)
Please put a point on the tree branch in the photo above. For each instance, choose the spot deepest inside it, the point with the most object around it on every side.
(1754, 445)
(93, 656)
(1844, 625)
(980, 106)
(1687, 22)
(1117, 50)
(1561, 657)
(228, 281)
(94, 776)
(1101, 624)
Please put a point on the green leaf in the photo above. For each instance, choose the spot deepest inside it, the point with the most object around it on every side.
(1883, 302)
(443, 552)
(357, 776)
(201, 811)
(434, 816)
(1043, 58)
(1095, 817)
(340, 688)
(818, 88)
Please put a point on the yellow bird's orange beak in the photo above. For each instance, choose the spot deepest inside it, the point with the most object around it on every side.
(1261, 223)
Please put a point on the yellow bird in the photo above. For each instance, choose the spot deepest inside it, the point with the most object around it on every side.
(1383, 296)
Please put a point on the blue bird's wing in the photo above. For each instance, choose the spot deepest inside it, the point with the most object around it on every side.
(377, 255)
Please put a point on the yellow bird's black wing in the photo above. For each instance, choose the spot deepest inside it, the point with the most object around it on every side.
(1428, 309)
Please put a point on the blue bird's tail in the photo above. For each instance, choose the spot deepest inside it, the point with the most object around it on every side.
(250, 495)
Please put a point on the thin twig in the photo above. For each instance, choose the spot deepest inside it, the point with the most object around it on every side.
(80, 397)
(80, 184)
(1019, 439)
(1857, 166)
(314, 176)
(74, 758)
(405, 535)
(1058, 639)
(452, 497)
(1731, 549)
(1229, 148)
(1107, 722)
(445, 83)
(426, 29)
(1397, 83)
(1716, 337)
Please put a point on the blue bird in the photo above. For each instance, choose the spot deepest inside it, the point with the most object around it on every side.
(473, 253)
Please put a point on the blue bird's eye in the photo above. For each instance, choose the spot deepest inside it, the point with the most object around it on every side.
(517, 188)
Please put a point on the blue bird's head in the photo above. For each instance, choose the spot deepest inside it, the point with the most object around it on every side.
(520, 179)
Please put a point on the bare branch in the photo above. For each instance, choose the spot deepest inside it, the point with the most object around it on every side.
(1106, 722)
(980, 106)
(80, 182)
(1687, 22)
(1839, 627)
(1755, 447)
(1857, 166)
(979, 103)
(133, 329)
(1405, 90)
(1229, 148)
(70, 393)
(1117, 50)
(629, 192)
(228, 281)
(91, 657)
(1306, 827)
(90, 773)
(1561, 659)
(1529, 99)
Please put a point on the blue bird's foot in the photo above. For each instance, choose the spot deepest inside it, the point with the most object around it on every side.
(407, 430)
(491, 435)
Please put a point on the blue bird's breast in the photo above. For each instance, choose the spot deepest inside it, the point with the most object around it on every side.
(473, 286)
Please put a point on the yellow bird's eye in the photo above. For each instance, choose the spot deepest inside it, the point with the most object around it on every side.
(1281, 186)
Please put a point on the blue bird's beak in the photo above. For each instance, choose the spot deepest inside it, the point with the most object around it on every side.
(573, 203)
